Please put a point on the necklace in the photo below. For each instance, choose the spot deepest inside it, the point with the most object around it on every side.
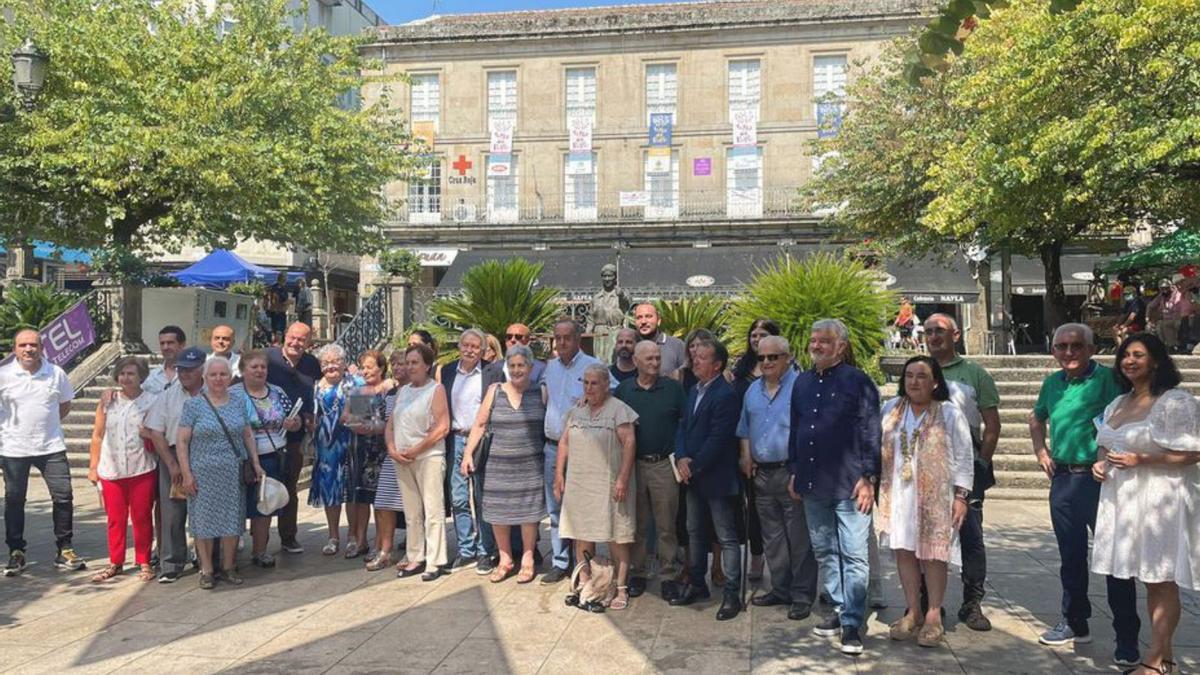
(909, 445)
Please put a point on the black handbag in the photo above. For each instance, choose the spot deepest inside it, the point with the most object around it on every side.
(485, 443)
(249, 475)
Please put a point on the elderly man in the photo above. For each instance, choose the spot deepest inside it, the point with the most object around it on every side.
(464, 383)
(659, 402)
(645, 317)
(1069, 402)
(974, 391)
(171, 341)
(763, 429)
(833, 455)
(294, 370)
(162, 423)
(706, 459)
(221, 342)
(497, 371)
(562, 382)
(35, 396)
(623, 367)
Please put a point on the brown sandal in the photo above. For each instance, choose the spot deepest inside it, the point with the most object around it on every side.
(146, 573)
(107, 573)
(501, 573)
(527, 574)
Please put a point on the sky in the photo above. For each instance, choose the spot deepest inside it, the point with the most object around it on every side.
(402, 11)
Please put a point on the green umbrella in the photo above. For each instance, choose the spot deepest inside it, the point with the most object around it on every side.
(1179, 248)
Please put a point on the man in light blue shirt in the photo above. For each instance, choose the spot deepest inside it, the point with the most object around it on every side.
(763, 429)
(562, 380)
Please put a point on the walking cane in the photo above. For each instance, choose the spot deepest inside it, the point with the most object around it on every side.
(745, 550)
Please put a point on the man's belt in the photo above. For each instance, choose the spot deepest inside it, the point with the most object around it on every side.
(1075, 468)
(652, 459)
(771, 465)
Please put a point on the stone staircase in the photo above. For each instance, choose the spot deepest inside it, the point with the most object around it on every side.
(77, 427)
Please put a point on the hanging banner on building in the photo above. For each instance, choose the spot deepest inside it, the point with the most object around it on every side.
(425, 132)
(579, 128)
(635, 198)
(702, 166)
(658, 160)
(660, 130)
(745, 128)
(829, 119)
(502, 136)
(499, 165)
(579, 164)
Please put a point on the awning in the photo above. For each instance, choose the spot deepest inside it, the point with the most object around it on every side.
(932, 282)
(222, 267)
(1181, 247)
(43, 250)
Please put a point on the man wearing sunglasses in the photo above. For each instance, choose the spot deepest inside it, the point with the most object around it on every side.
(1069, 401)
(497, 371)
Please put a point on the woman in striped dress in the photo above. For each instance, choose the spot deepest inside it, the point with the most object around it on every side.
(515, 490)
(389, 506)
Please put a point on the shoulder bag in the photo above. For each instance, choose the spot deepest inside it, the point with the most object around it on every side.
(249, 475)
(485, 443)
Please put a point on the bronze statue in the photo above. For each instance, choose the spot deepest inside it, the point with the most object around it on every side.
(610, 305)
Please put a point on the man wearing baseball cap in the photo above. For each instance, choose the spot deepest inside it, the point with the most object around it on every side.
(162, 421)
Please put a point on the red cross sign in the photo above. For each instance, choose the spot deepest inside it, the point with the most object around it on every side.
(462, 165)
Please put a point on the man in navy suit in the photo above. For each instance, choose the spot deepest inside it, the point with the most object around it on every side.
(706, 452)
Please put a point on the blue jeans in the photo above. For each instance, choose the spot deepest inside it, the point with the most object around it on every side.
(561, 550)
(839, 539)
(724, 520)
(474, 536)
(1074, 497)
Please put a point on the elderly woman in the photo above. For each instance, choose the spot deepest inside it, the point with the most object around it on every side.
(215, 437)
(514, 492)
(126, 472)
(367, 451)
(597, 495)
(388, 502)
(333, 440)
(928, 470)
(267, 408)
(415, 434)
(1148, 520)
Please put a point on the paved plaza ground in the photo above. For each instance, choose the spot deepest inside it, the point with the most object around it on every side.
(327, 615)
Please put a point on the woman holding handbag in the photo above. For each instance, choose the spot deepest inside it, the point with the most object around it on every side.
(510, 423)
(268, 410)
(213, 446)
(125, 470)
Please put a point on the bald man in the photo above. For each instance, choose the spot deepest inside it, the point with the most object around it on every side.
(623, 367)
(294, 370)
(221, 342)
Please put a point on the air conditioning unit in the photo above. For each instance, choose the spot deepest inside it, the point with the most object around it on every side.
(463, 213)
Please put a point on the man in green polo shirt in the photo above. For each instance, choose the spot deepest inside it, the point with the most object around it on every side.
(659, 402)
(973, 390)
(1070, 401)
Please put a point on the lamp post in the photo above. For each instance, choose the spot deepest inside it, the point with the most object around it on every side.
(29, 76)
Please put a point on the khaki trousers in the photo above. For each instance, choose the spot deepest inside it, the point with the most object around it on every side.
(421, 486)
(657, 498)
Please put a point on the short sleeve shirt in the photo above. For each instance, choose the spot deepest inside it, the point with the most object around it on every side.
(1070, 408)
(973, 390)
(29, 421)
(659, 410)
(165, 412)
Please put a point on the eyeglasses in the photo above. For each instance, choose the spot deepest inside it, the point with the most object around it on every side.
(769, 357)
(516, 336)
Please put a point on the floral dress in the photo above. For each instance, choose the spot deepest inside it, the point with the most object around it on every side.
(333, 440)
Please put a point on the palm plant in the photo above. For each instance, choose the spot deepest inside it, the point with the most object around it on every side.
(30, 306)
(682, 316)
(797, 293)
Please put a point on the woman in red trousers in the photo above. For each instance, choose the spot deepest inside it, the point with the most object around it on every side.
(125, 469)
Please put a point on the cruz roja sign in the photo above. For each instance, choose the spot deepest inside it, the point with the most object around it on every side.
(462, 165)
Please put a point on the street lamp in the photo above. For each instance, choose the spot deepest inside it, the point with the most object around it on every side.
(29, 72)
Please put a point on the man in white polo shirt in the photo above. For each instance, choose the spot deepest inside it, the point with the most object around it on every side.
(35, 396)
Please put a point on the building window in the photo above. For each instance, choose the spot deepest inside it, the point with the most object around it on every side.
(502, 94)
(579, 187)
(425, 196)
(662, 186)
(426, 98)
(581, 93)
(829, 82)
(661, 90)
(743, 182)
(745, 85)
(502, 192)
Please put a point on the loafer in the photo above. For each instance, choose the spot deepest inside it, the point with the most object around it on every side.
(690, 595)
(432, 574)
(554, 576)
(798, 612)
(768, 600)
(405, 573)
(637, 587)
(730, 608)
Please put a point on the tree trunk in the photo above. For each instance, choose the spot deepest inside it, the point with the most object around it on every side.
(1055, 311)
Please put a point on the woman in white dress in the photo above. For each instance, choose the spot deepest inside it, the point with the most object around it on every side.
(1148, 520)
(928, 469)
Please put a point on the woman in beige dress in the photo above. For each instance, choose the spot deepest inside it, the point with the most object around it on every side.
(597, 494)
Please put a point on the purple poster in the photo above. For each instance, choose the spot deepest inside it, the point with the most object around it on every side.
(69, 334)
(702, 166)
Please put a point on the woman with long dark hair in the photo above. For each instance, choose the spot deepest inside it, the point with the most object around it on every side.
(1148, 519)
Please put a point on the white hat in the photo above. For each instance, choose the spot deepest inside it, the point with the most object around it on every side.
(272, 495)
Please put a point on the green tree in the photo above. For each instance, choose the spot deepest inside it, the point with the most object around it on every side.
(30, 306)
(160, 124)
(683, 315)
(495, 294)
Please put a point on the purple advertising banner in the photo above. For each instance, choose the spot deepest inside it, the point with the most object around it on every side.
(69, 334)
(702, 166)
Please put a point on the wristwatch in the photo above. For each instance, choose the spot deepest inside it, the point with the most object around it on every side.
(872, 479)
(961, 493)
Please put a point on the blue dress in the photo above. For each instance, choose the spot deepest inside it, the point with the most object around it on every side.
(331, 465)
(218, 509)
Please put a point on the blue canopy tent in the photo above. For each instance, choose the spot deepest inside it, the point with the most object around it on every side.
(223, 267)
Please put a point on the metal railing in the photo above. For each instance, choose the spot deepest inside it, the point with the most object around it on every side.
(369, 328)
(682, 205)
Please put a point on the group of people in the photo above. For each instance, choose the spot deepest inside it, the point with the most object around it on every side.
(684, 456)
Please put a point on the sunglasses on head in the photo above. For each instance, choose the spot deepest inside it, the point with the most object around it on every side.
(769, 357)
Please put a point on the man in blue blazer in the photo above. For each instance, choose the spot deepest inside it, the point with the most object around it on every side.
(706, 457)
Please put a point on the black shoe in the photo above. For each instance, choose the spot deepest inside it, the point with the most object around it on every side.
(669, 589)
(168, 577)
(851, 642)
(637, 587)
(484, 565)
(826, 599)
(768, 600)
(555, 575)
(16, 563)
(405, 573)
(830, 627)
(690, 595)
(292, 546)
(432, 574)
(154, 560)
(730, 608)
(462, 562)
(798, 612)
(972, 616)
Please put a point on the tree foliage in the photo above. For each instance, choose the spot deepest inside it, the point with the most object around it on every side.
(160, 125)
(681, 316)
(30, 306)
(497, 293)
